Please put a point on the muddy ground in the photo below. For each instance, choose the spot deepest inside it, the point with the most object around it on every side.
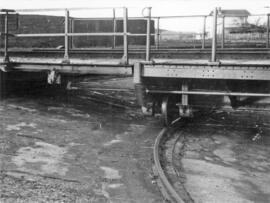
(87, 145)
(225, 157)
(76, 146)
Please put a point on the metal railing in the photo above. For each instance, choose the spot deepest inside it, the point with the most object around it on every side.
(67, 33)
(222, 37)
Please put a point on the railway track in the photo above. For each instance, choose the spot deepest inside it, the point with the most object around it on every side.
(168, 178)
(176, 146)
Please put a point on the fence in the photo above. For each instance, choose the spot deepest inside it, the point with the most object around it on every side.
(67, 33)
(214, 32)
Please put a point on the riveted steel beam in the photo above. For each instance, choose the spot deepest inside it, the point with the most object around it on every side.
(197, 71)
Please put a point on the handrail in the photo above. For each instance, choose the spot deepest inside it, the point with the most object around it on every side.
(63, 9)
(70, 33)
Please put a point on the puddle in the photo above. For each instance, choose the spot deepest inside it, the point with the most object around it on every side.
(20, 125)
(47, 156)
(110, 173)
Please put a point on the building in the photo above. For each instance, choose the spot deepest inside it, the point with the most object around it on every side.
(234, 18)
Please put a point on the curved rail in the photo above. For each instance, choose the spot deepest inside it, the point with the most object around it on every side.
(163, 179)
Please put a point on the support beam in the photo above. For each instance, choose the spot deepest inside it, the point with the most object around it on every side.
(184, 109)
(184, 96)
(209, 93)
(137, 73)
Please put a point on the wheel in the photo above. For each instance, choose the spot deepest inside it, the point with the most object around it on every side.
(169, 110)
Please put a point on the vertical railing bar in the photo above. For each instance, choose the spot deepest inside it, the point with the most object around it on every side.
(148, 35)
(71, 29)
(214, 36)
(66, 55)
(267, 31)
(204, 32)
(158, 33)
(6, 56)
(114, 29)
(223, 33)
(125, 36)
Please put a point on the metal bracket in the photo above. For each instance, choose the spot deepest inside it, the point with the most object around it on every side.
(124, 60)
(214, 63)
(184, 109)
(66, 60)
(54, 77)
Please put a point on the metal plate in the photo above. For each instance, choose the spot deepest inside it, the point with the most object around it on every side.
(239, 72)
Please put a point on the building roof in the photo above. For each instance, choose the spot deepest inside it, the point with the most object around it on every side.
(233, 13)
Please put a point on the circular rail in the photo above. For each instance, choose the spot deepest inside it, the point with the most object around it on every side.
(164, 182)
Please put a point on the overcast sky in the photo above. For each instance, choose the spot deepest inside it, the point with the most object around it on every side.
(159, 7)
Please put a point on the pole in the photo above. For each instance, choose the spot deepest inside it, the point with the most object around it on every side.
(125, 29)
(214, 37)
(158, 33)
(66, 56)
(267, 32)
(114, 29)
(204, 32)
(6, 57)
(71, 29)
(148, 35)
(223, 33)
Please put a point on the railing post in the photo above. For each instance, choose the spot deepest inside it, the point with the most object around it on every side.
(66, 56)
(158, 33)
(204, 32)
(223, 33)
(267, 32)
(214, 36)
(114, 29)
(148, 35)
(71, 30)
(6, 56)
(125, 59)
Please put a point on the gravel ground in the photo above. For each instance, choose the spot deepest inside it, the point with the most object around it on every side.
(75, 146)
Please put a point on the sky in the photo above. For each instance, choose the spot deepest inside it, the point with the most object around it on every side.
(159, 8)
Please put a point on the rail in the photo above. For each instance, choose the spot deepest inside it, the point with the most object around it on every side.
(165, 183)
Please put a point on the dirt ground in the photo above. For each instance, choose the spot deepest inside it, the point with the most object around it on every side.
(225, 158)
(74, 146)
(87, 145)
